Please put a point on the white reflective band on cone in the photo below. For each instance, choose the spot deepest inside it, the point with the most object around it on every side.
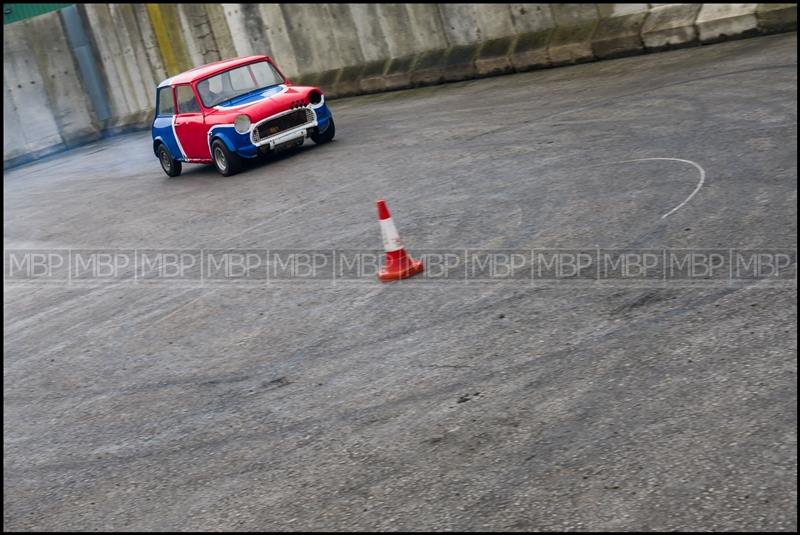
(391, 239)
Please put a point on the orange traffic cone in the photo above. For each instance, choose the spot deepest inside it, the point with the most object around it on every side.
(398, 264)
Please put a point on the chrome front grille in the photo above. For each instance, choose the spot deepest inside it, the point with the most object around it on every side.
(283, 123)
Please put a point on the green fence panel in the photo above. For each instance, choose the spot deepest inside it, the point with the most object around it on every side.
(18, 12)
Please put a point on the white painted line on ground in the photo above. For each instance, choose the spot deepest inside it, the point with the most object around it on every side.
(690, 162)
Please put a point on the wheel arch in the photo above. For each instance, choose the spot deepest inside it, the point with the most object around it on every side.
(158, 140)
(219, 134)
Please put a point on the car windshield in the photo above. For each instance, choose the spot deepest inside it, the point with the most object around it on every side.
(236, 82)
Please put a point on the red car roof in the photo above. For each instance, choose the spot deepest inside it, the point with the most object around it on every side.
(209, 69)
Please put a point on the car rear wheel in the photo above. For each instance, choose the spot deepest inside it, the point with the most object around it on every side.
(227, 163)
(170, 165)
(324, 136)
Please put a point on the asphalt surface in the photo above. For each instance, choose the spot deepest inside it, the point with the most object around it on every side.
(425, 406)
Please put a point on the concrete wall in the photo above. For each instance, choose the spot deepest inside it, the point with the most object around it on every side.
(44, 105)
(71, 77)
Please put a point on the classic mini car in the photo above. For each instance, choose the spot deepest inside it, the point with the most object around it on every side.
(239, 108)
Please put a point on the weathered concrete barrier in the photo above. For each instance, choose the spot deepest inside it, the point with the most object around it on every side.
(715, 22)
(774, 18)
(619, 30)
(91, 69)
(571, 41)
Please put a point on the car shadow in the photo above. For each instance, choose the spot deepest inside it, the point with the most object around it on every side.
(205, 171)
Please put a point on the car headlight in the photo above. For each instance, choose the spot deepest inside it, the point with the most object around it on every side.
(315, 97)
(242, 124)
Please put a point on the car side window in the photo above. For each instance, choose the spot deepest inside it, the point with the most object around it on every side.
(166, 104)
(186, 101)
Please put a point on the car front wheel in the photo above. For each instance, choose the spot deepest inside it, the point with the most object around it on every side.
(227, 163)
(324, 136)
(169, 164)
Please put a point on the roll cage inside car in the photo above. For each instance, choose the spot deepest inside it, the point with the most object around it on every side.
(238, 81)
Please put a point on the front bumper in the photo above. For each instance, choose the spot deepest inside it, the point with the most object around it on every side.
(249, 146)
(290, 134)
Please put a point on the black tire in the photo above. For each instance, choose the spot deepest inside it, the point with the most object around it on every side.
(325, 136)
(170, 165)
(227, 163)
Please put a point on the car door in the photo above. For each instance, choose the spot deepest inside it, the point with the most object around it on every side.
(164, 122)
(190, 125)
